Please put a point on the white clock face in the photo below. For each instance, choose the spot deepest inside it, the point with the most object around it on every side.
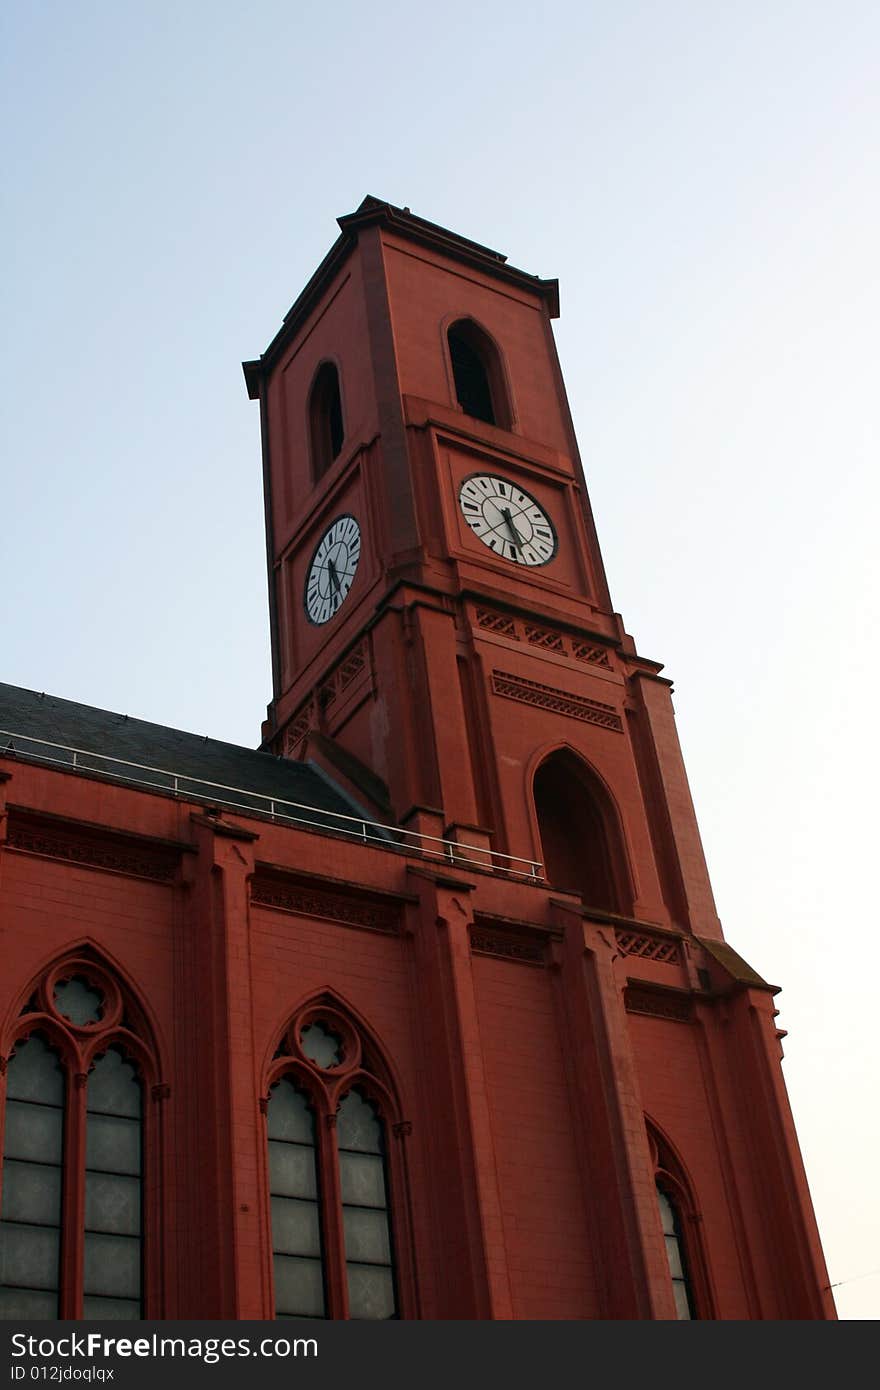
(332, 570)
(507, 520)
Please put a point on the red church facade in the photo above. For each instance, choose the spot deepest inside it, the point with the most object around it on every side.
(423, 1010)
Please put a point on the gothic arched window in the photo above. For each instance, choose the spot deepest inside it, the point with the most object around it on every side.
(672, 1237)
(326, 427)
(477, 373)
(680, 1226)
(580, 837)
(72, 1211)
(332, 1177)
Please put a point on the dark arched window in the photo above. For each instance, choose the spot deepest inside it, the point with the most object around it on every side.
(680, 1225)
(580, 839)
(331, 1179)
(72, 1213)
(681, 1285)
(325, 419)
(477, 373)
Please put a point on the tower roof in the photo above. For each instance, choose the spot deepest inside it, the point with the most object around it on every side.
(376, 212)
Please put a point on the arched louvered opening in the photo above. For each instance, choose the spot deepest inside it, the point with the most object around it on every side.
(477, 373)
(580, 838)
(326, 426)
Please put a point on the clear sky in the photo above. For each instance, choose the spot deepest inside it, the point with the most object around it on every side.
(703, 179)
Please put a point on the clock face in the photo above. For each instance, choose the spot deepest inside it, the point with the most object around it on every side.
(507, 520)
(332, 570)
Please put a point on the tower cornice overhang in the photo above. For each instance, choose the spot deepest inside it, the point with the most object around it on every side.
(374, 212)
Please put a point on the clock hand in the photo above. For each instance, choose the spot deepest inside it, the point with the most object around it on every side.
(334, 577)
(517, 538)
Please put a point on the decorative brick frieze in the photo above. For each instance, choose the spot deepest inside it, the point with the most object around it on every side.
(93, 846)
(497, 622)
(298, 728)
(308, 901)
(589, 652)
(509, 943)
(355, 666)
(661, 949)
(548, 639)
(545, 638)
(659, 1003)
(558, 701)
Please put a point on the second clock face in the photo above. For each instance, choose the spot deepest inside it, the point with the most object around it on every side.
(332, 569)
(507, 520)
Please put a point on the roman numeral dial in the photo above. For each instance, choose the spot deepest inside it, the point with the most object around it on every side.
(332, 570)
(507, 520)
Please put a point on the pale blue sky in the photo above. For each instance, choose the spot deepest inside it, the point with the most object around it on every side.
(702, 178)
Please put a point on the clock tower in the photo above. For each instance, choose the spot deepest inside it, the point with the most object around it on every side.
(445, 648)
(442, 632)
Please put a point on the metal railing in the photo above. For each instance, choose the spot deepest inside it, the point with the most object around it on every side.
(182, 784)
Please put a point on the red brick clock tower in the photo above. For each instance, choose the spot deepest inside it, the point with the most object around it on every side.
(444, 645)
(474, 610)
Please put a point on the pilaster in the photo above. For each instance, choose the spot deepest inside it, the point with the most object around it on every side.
(218, 1075)
(467, 1214)
(671, 814)
(610, 1123)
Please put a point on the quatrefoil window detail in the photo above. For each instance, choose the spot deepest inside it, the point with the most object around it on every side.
(322, 1046)
(79, 1001)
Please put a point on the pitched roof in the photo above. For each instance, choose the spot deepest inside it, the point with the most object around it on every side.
(151, 756)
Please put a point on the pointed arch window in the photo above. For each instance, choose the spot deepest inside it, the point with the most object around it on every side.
(326, 424)
(336, 1186)
(679, 1223)
(77, 1143)
(581, 841)
(672, 1237)
(478, 374)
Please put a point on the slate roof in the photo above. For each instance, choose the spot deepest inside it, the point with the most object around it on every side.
(48, 719)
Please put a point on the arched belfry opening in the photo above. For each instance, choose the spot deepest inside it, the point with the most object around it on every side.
(326, 426)
(580, 836)
(477, 373)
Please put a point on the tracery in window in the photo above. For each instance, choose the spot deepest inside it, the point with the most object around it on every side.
(72, 1229)
(335, 1180)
